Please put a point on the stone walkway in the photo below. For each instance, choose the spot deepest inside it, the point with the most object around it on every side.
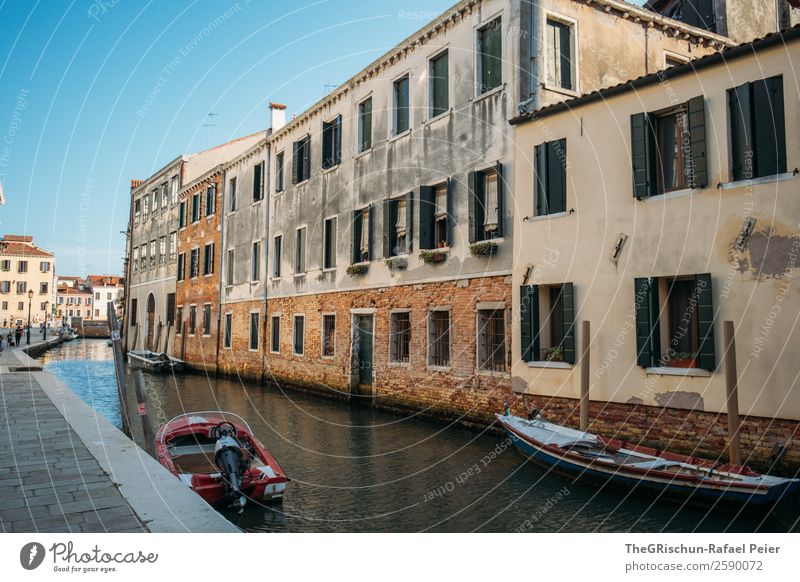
(49, 480)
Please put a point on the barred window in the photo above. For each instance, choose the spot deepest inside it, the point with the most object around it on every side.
(228, 330)
(492, 340)
(439, 338)
(401, 337)
(207, 319)
(254, 319)
(328, 335)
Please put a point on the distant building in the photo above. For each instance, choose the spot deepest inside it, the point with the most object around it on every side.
(104, 288)
(24, 268)
(74, 301)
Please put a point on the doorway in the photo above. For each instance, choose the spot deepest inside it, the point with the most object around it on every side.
(151, 318)
(364, 352)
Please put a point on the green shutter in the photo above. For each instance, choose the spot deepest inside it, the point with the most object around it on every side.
(389, 228)
(540, 179)
(501, 209)
(643, 155)
(475, 203)
(697, 136)
(769, 135)
(337, 154)
(355, 255)
(296, 161)
(705, 322)
(526, 323)
(557, 176)
(307, 158)
(741, 116)
(648, 350)
(451, 211)
(427, 210)
(327, 144)
(409, 222)
(568, 317)
(370, 238)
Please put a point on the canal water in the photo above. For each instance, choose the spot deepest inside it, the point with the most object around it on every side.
(356, 469)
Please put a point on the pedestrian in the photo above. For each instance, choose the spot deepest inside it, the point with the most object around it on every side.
(2, 343)
(18, 334)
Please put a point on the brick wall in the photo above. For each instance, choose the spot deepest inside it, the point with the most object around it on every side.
(239, 360)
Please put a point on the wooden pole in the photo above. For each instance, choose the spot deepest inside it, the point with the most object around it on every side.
(732, 390)
(141, 401)
(119, 369)
(585, 340)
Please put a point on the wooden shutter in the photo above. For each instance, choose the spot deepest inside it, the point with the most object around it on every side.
(741, 116)
(327, 144)
(451, 211)
(337, 157)
(705, 322)
(389, 229)
(409, 222)
(643, 155)
(371, 226)
(427, 206)
(769, 135)
(557, 176)
(540, 179)
(568, 320)
(355, 254)
(501, 208)
(526, 322)
(297, 161)
(648, 349)
(307, 158)
(699, 13)
(697, 136)
(475, 203)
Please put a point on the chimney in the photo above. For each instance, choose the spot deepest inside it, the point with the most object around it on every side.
(136, 183)
(277, 115)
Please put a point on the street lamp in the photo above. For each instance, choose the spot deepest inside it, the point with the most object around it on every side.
(46, 305)
(30, 298)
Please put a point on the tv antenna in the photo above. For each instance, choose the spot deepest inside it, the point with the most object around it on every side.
(208, 124)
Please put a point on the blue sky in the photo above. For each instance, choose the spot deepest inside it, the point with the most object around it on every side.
(96, 92)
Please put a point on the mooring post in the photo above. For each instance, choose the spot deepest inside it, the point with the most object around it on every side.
(732, 391)
(119, 369)
(144, 414)
(585, 340)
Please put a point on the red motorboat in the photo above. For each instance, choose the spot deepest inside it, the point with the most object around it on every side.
(216, 454)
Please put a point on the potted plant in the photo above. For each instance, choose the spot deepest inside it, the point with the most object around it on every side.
(432, 256)
(553, 354)
(357, 269)
(396, 263)
(680, 360)
(483, 248)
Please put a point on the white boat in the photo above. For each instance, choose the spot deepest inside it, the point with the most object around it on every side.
(158, 363)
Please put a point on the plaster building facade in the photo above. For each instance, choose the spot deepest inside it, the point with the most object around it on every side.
(694, 222)
(74, 301)
(105, 288)
(27, 275)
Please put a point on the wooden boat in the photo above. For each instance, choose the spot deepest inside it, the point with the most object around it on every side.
(216, 454)
(669, 475)
(153, 362)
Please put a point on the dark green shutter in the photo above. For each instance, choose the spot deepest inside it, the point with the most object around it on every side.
(699, 13)
(371, 225)
(557, 176)
(337, 156)
(526, 323)
(705, 322)
(697, 136)
(427, 207)
(327, 144)
(769, 135)
(296, 161)
(741, 116)
(643, 155)
(387, 235)
(451, 211)
(409, 222)
(648, 350)
(475, 203)
(568, 319)
(307, 158)
(355, 255)
(540, 179)
(501, 209)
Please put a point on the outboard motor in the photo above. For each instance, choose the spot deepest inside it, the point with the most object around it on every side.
(228, 456)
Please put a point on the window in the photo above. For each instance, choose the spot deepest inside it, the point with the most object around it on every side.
(208, 259)
(182, 214)
(194, 263)
(439, 85)
(155, 201)
(362, 235)
(400, 109)
(439, 338)
(301, 160)
(279, 172)
(365, 125)
(328, 335)
(699, 13)
(275, 334)
(44, 267)
(170, 308)
(668, 149)
(276, 256)
(490, 57)
(162, 250)
(492, 340)
(146, 207)
(211, 200)
(397, 223)
(400, 341)
(332, 143)
(560, 62)
(672, 60)
(207, 319)
(329, 244)
(758, 134)
(254, 319)
(255, 262)
(96, 311)
(5, 287)
(547, 314)
(196, 207)
(486, 204)
(173, 245)
(43, 288)
(97, 295)
(229, 268)
(174, 190)
(192, 319)
(153, 253)
(164, 196)
(135, 259)
(232, 194)
(258, 181)
(675, 322)
(22, 287)
(137, 210)
(435, 218)
(22, 267)
(300, 250)
(4, 306)
(179, 321)
(21, 307)
(5, 265)
(550, 179)
(144, 256)
(228, 332)
(181, 266)
(298, 335)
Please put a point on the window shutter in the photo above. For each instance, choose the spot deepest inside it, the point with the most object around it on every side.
(338, 145)
(557, 175)
(648, 350)
(327, 144)
(475, 203)
(307, 158)
(371, 226)
(409, 221)
(568, 317)
(427, 207)
(705, 322)
(526, 322)
(501, 208)
(388, 228)
(697, 137)
(741, 115)
(296, 161)
(540, 179)
(769, 136)
(356, 240)
(642, 155)
(451, 211)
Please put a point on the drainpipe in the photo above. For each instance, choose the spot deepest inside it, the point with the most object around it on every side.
(267, 247)
(221, 210)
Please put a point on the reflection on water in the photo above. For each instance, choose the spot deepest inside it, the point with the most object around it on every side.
(358, 469)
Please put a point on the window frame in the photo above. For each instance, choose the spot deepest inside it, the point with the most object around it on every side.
(275, 333)
(230, 266)
(443, 52)
(396, 132)
(430, 341)
(255, 261)
(328, 247)
(572, 23)
(360, 125)
(393, 361)
(277, 252)
(300, 250)
(324, 315)
(227, 331)
(478, 65)
(250, 329)
(295, 318)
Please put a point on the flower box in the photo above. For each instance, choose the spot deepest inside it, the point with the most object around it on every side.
(396, 263)
(358, 269)
(483, 248)
(680, 360)
(432, 256)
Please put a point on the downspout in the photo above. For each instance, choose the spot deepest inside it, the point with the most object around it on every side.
(223, 176)
(126, 286)
(267, 248)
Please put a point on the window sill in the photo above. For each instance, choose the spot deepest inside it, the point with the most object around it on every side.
(299, 275)
(439, 117)
(666, 371)
(276, 353)
(363, 153)
(757, 181)
(478, 98)
(255, 202)
(560, 90)
(298, 355)
(550, 216)
(438, 368)
(682, 193)
(398, 136)
(301, 182)
(399, 364)
(255, 351)
(547, 364)
(328, 358)
(329, 270)
(331, 169)
(492, 373)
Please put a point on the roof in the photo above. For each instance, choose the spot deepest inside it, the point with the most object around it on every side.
(21, 246)
(65, 290)
(691, 67)
(105, 280)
